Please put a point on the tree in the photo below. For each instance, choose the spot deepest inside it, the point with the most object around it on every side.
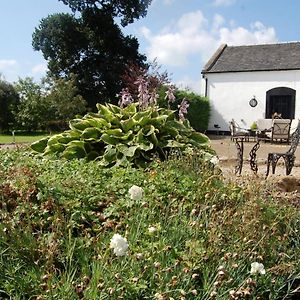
(53, 101)
(63, 99)
(32, 109)
(91, 46)
(127, 9)
(8, 102)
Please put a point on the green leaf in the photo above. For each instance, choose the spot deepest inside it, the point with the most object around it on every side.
(173, 144)
(75, 149)
(199, 138)
(40, 145)
(130, 110)
(79, 124)
(149, 129)
(128, 124)
(105, 112)
(56, 148)
(110, 153)
(108, 139)
(91, 133)
(98, 122)
(127, 151)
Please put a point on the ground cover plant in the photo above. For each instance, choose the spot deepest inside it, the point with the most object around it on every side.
(176, 230)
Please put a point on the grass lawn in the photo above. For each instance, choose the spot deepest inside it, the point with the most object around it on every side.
(21, 137)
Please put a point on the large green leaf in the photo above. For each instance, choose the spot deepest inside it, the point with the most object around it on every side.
(75, 149)
(110, 153)
(108, 139)
(91, 133)
(149, 129)
(105, 112)
(159, 121)
(39, 146)
(130, 110)
(143, 143)
(127, 151)
(128, 124)
(79, 124)
(57, 148)
(198, 138)
(98, 122)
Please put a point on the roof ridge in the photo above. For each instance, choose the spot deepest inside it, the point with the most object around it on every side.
(265, 44)
(214, 58)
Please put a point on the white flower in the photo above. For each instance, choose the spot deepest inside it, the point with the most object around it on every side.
(119, 244)
(136, 193)
(152, 229)
(214, 160)
(257, 268)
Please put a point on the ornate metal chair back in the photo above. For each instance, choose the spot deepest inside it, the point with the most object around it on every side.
(294, 140)
(281, 129)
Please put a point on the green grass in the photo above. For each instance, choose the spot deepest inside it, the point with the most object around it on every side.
(58, 217)
(21, 137)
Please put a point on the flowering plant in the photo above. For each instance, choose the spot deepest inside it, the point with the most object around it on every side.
(119, 245)
(136, 193)
(257, 268)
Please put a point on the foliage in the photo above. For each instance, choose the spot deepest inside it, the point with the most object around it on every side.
(199, 108)
(42, 104)
(63, 99)
(253, 126)
(191, 236)
(128, 10)
(8, 101)
(32, 110)
(121, 136)
(91, 46)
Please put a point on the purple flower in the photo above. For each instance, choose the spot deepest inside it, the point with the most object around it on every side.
(125, 98)
(183, 107)
(143, 95)
(170, 94)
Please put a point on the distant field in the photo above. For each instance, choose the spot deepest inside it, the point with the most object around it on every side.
(21, 137)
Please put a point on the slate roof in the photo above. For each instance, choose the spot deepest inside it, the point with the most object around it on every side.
(269, 57)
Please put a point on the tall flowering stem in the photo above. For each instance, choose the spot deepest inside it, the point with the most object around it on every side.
(170, 97)
(143, 93)
(125, 98)
(183, 109)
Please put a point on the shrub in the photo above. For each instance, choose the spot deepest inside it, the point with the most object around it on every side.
(198, 111)
(119, 136)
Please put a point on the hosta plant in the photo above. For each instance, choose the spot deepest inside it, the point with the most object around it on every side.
(122, 136)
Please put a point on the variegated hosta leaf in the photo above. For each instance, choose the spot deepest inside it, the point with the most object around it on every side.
(122, 136)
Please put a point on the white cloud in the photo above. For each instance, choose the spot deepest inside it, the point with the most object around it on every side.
(39, 69)
(188, 83)
(223, 2)
(194, 34)
(7, 63)
(259, 34)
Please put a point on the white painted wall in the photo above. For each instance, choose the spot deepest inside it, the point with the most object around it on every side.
(230, 93)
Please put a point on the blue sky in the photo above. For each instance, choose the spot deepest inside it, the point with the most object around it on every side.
(181, 34)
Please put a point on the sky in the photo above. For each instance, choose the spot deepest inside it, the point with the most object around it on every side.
(180, 34)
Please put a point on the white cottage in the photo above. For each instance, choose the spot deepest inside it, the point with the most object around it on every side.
(247, 83)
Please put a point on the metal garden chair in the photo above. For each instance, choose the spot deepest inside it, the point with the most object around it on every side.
(289, 156)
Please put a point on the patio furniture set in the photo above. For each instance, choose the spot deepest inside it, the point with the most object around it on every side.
(280, 132)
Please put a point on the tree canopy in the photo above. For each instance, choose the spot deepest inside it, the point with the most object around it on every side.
(8, 101)
(91, 45)
(128, 10)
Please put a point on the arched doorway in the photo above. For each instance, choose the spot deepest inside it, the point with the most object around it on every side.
(281, 100)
